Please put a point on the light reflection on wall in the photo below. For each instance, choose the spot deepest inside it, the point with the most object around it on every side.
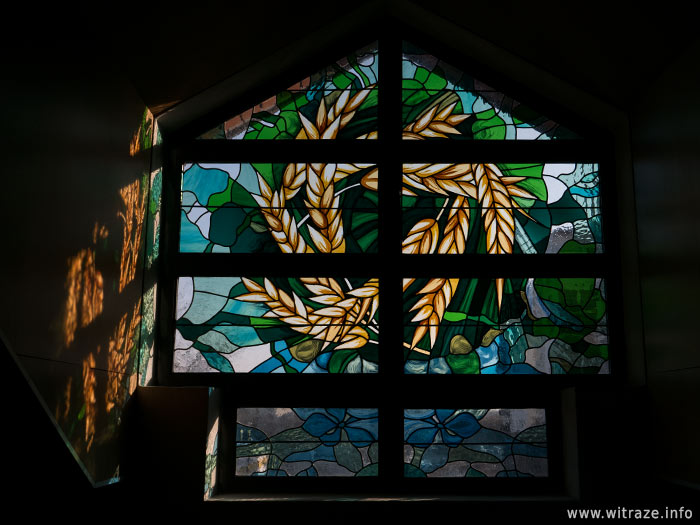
(89, 411)
(143, 137)
(121, 345)
(85, 293)
(134, 200)
(100, 328)
(85, 418)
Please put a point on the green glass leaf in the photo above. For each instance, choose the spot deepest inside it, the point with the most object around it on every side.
(454, 316)
(348, 456)
(464, 364)
(435, 83)
(266, 172)
(342, 80)
(217, 361)
(366, 240)
(363, 217)
(576, 247)
(340, 359)
(462, 453)
(409, 87)
(373, 452)
(597, 351)
(595, 307)
(265, 322)
(369, 470)
(268, 132)
(410, 471)
(545, 327)
(489, 126)
(578, 291)
(291, 441)
(421, 75)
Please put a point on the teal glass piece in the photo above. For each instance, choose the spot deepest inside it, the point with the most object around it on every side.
(501, 208)
(440, 101)
(317, 442)
(283, 325)
(273, 208)
(484, 443)
(506, 326)
(337, 102)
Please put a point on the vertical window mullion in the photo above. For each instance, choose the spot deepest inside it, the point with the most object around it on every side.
(391, 360)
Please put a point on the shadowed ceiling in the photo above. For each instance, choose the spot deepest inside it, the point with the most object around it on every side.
(171, 54)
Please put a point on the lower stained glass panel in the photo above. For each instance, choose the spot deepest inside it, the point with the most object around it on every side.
(307, 442)
(505, 326)
(496, 442)
(276, 325)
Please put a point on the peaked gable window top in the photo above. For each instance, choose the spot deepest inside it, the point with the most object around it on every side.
(442, 101)
(438, 101)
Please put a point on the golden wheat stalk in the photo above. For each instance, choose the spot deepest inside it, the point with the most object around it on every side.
(324, 209)
(497, 212)
(330, 121)
(280, 222)
(445, 179)
(431, 307)
(345, 313)
(334, 314)
(322, 201)
(295, 175)
(339, 319)
(422, 238)
(456, 232)
(293, 179)
(435, 122)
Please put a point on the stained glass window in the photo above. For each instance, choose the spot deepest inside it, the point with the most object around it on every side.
(539, 325)
(261, 325)
(501, 208)
(491, 443)
(491, 262)
(314, 442)
(268, 208)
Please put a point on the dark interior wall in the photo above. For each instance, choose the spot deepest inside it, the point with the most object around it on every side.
(72, 205)
(67, 128)
(665, 145)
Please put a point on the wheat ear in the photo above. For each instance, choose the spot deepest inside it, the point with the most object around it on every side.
(339, 319)
(435, 123)
(431, 307)
(330, 121)
(280, 222)
(444, 179)
(456, 233)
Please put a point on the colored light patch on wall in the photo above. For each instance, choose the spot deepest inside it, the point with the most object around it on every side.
(441, 101)
(276, 325)
(501, 208)
(337, 102)
(316, 442)
(475, 443)
(279, 208)
(505, 326)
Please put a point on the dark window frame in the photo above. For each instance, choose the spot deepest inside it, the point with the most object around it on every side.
(388, 152)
